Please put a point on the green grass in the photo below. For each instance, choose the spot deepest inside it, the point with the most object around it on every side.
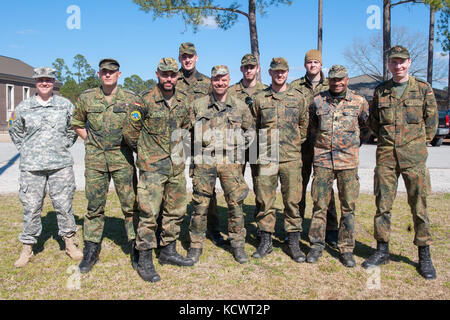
(217, 275)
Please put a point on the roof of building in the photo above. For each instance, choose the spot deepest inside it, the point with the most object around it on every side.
(15, 67)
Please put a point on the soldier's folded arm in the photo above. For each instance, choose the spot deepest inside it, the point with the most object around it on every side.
(303, 120)
(79, 120)
(363, 121)
(374, 120)
(72, 136)
(431, 115)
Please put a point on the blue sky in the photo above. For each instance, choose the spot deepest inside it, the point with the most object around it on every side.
(36, 33)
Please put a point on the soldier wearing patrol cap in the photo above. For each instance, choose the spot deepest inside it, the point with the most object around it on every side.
(154, 120)
(40, 127)
(246, 90)
(197, 85)
(222, 122)
(337, 117)
(281, 113)
(404, 117)
(98, 120)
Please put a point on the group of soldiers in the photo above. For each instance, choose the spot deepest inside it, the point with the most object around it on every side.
(282, 130)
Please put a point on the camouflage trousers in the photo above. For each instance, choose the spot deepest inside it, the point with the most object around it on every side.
(348, 190)
(33, 188)
(307, 159)
(291, 190)
(254, 170)
(161, 191)
(235, 190)
(417, 182)
(97, 186)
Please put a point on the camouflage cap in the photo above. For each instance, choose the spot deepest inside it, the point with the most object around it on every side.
(337, 71)
(399, 52)
(219, 70)
(188, 48)
(279, 64)
(249, 59)
(168, 64)
(44, 72)
(109, 64)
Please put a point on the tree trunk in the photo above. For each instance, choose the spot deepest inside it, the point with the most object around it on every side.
(254, 45)
(430, 48)
(386, 36)
(320, 27)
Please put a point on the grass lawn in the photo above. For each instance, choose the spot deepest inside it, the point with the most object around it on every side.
(51, 273)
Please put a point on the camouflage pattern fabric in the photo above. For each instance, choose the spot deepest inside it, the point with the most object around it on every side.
(290, 177)
(403, 127)
(348, 190)
(162, 189)
(337, 126)
(33, 188)
(235, 190)
(305, 86)
(43, 134)
(97, 186)
(106, 150)
(195, 86)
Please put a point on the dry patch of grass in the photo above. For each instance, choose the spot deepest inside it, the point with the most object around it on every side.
(217, 275)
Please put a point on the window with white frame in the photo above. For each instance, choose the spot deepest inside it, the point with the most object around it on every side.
(9, 97)
(26, 93)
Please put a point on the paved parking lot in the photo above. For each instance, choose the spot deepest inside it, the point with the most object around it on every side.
(438, 164)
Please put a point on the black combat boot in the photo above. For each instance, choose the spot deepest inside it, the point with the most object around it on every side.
(381, 256)
(217, 238)
(265, 246)
(239, 254)
(169, 255)
(134, 254)
(91, 253)
(294, 248)
(426, 268)
(314, 254)
(194, 254)
(331, 238)
(145, 267)
(347, 259)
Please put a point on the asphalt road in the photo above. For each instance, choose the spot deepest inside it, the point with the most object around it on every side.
(438, 164)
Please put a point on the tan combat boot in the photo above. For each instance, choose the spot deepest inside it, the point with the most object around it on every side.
(25, 256)
(71, 249)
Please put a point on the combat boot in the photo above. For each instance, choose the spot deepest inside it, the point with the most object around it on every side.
(145, 267)
(314, 254)
(347, 259)
(426, 268)
(265, 246)
(194, 254)
(169, 255)
(25, 256)
(134, 254)
(91, 253)
(217, 238)
(239, 254)
(294, 248)
(71, 249)
(381, 256)
(331, 238)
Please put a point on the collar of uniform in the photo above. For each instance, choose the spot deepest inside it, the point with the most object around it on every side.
(160, 98)
(278, 95)
(322, 80)
(36, 104)
(348, 95)
(212, 102)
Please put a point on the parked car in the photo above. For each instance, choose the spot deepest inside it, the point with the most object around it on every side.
(443, 129)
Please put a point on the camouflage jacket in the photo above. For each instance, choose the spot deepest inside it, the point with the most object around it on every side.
(337, 129)
(105, 148)
(222, 130)
(238, 90)
(403, 126)
(196, 86)
(283, 115)
(153, 128)
(305, 86)
(43, 133)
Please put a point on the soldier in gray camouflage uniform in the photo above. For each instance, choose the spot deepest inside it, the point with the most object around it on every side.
(41, 129)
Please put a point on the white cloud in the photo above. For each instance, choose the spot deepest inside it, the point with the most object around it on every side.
(210, 22)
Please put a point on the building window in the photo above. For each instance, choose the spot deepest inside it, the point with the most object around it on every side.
(9, 97)
(26, 93)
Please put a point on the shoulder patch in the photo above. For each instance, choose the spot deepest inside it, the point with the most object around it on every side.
(135, 115)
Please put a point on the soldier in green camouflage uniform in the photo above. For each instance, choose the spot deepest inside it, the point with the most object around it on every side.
(197, 85)
(404, 117)
(282, 120)
(98, 119)
(154, 129)
(41, 129)
(246, 90)
(337, 116)
(223, 128)
(310, 85)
